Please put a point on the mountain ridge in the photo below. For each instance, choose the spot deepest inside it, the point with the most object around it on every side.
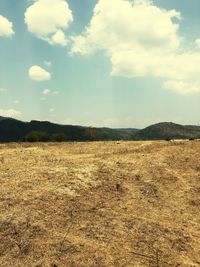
(13, 130)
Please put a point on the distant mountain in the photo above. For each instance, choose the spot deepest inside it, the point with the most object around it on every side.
(167, 130)
(12, 130)
(4, 118)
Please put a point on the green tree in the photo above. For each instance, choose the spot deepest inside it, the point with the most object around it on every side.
(35, 136)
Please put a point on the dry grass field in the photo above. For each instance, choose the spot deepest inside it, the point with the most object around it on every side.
(100, 204)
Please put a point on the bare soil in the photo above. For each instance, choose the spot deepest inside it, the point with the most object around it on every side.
(100, 204)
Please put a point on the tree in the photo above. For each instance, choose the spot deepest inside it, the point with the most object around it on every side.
(91, 134)
(35, 136)
(59, 137)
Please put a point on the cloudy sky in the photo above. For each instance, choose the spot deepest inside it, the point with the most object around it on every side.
(115, 63)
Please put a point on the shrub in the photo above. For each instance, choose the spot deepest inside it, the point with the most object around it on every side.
(59, 137)
(35, 136)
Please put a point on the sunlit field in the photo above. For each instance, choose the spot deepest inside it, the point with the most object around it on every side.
(100, 204)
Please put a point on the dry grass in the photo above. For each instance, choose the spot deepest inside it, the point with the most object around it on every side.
(100, 204)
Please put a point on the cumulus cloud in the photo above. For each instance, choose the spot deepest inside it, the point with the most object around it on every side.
(59, 38)
(141, 39)
(182, 87)
(46, 92)
(6, 27)
(10, 113)
(51, 110)
(48, 20)
(123, 23)
(36, 73)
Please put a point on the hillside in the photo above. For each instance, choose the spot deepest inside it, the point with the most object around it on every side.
(15, 130)
(12, 130)
(167, 130)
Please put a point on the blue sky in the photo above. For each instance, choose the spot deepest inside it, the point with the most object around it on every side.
(124, 64)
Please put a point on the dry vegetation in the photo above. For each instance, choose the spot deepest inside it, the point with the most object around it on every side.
(100, 204)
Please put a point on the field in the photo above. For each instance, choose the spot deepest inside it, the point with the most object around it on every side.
(100, 204)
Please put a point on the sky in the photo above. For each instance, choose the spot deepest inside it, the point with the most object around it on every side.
(112, 63)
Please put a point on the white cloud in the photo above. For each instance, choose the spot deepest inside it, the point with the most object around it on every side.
(6, 27)
(3, 90)
(197, 42)
(119, 24)
(59, 38)
(46, 92)
(16, 102)
(47, 19)
(36, 73)
(182, 87)
(141, 39)
(10, 113)
(140, 62)
(51, 110)
(47, 63)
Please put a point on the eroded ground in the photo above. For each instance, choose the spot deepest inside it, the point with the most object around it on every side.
(100, 204)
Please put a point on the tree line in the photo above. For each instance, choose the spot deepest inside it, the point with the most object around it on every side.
(90, 134)
(37, 136)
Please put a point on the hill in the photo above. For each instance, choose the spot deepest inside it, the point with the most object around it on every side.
(167, 130)
(12, 130)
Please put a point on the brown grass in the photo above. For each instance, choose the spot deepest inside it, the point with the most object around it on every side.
(100, 204)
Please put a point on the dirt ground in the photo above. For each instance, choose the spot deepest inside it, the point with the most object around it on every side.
(100, 204)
